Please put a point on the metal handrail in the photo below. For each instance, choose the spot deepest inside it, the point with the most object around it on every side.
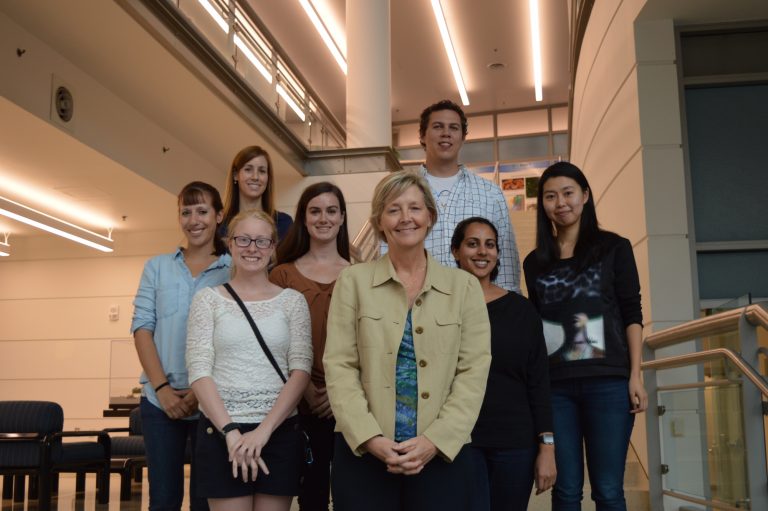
(716, 324)
(703, 356)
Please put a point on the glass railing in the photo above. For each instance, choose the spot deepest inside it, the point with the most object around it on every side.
(707, 439)
(243, 44)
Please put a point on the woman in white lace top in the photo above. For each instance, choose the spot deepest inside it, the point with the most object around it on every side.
(250, 448)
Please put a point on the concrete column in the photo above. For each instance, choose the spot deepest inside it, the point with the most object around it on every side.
(369, 116)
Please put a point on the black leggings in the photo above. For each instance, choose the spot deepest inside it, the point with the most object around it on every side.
(364, 483)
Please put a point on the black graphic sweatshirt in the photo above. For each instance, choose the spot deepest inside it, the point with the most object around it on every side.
(585, 313)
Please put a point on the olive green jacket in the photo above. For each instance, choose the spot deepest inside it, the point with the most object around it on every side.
(451, 337)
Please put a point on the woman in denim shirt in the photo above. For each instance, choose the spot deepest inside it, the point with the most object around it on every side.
(168, 407)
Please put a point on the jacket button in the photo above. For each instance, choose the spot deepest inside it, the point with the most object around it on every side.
(425, 395)
(422, 363)
(418, 302)
(419, 330)
(209, 430)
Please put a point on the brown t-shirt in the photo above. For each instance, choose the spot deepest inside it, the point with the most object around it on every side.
(318, 296)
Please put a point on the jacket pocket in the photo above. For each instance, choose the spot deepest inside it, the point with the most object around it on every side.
(448, 332)
(370, 329)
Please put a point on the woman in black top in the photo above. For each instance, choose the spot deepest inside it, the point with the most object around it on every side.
(584, 283)
(512, 440)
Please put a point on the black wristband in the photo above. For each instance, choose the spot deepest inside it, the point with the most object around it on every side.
(165, 383)
(230, 427)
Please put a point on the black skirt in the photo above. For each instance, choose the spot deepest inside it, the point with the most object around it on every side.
(284, 455)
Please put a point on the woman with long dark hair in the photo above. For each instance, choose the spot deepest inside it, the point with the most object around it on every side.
(584, 282)
(310, 258)
(250, 185)
(168, 406)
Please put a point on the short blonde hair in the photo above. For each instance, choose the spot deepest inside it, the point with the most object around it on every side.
(258, 215)
(393, 186)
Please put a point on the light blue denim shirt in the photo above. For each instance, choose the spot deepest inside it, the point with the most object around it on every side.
(162, 306)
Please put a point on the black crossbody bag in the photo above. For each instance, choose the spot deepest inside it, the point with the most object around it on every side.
(270, 357)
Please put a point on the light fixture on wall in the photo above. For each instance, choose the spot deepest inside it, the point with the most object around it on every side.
(217, 17)
(325, 35)
(5, 247)
(40, 220)
(536, 48)
(443, 26)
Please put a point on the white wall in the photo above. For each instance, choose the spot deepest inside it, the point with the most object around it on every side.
(56, 340)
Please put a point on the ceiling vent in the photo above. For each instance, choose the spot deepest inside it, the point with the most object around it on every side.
(62, 103)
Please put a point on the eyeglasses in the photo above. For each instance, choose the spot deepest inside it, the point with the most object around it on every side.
(245, 242)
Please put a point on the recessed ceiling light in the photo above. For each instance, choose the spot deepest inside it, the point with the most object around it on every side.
(496, 66)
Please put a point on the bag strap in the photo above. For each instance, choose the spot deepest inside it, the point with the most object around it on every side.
(263, 344)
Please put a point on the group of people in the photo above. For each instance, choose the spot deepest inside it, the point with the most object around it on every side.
(421, 380)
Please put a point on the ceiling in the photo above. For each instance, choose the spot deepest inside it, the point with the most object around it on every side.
(483, 32)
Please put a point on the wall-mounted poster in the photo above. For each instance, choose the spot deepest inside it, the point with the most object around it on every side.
(520, 183)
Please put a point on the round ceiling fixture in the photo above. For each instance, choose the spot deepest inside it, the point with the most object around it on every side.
(65, 105)
(496, 66)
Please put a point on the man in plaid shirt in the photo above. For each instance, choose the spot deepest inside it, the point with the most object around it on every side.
(460, 193)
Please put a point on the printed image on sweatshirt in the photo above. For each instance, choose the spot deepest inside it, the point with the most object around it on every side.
(572, 313)
(578, 337)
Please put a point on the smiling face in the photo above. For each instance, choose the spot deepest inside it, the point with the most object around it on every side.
(199, 222)
(405, 220)
(251, 258)
(478, 252)
(563, 201)
(324, 217)
(252, 178)
(443, 138)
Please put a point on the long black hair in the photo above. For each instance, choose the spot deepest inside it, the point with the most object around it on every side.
(589, 244)
(197, 192)
(296, 242)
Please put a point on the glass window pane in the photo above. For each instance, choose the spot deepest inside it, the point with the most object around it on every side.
(477, 152)
(560, 143)
(731, 274)
(524, 147)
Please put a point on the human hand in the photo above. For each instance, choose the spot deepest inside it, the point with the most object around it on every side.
(381, 447)
(412, 456)
(544, 469)
(317, 399)
(638, 397)
(172, 402)
(246, 453)
(190, 400)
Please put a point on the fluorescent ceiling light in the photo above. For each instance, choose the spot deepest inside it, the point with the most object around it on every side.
(324, 34)
(250, 56)
(443, 26)
(288, 99)
(220, 21)
(536, 47)
(54, 225)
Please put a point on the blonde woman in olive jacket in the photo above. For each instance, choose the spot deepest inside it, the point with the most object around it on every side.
(406, 362)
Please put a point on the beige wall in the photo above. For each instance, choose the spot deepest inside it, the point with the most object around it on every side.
(57, 342)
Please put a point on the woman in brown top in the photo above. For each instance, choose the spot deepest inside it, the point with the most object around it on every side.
(310, 258)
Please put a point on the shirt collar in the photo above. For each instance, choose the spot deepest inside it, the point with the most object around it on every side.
(437, 276)
(224, 260)
(462, 171)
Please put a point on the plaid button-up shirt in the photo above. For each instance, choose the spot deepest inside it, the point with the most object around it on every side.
(473, 195)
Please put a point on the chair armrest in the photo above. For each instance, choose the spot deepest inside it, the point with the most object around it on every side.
(103, 438)
(20, 437)
(117, 430)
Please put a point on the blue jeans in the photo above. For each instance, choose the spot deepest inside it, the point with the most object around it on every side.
(503, 478)
(165, 441)
(592, 414)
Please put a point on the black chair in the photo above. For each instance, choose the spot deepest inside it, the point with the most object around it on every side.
(128, 454)
(31, 444)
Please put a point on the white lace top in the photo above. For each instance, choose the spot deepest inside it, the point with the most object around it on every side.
(221, 345)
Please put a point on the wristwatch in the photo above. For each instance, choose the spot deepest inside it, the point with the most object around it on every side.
(230, 427)
(547, 439)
